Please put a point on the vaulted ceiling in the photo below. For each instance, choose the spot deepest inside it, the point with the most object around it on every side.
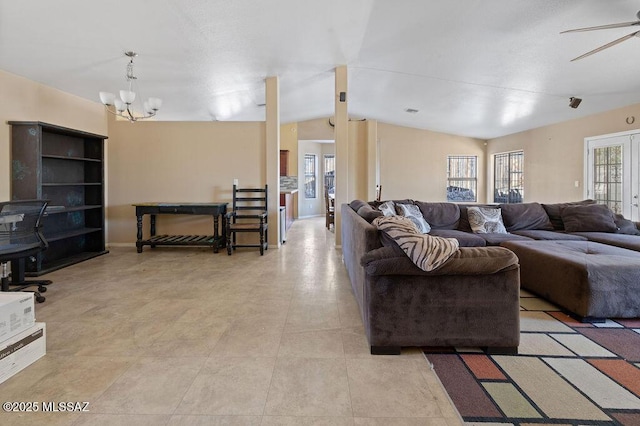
(480, 68)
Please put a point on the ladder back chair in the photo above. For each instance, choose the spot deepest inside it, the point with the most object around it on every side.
(249, 214)
(330, 210)
(21, 237)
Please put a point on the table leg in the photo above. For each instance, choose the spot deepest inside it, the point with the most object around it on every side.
(153, 228)
(223, 237)
(139, 239)
(216, 236)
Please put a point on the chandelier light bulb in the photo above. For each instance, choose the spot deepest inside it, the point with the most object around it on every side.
(107, 98)
(127, 96)
(120, 106)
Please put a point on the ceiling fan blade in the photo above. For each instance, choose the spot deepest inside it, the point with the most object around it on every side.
(606, 46)
(603, 27)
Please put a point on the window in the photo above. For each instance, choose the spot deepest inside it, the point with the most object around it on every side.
(607, 176)
(329, 172)
(508, 183)
(462, 178)
(309, 176)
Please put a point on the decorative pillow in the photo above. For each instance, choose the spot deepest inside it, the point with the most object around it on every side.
(388, 208)
(485, 220)
(588, 218)
(413, 212)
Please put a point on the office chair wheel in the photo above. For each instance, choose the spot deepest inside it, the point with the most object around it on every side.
(40, 298)
(42, 289)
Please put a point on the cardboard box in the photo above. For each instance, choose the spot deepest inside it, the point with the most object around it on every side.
(22, 350)
(17, 313)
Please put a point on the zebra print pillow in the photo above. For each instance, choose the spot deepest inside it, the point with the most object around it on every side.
(486, 220)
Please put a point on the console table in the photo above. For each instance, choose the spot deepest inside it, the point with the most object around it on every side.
(217, 210)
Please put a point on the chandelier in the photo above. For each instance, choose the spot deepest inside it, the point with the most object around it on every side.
(123, 107)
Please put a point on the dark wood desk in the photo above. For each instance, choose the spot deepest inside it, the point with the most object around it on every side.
(217, 210)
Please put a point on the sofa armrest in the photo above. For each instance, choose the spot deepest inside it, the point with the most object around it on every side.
(467, 261)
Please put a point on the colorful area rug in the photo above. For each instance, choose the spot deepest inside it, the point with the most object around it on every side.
(566, 372)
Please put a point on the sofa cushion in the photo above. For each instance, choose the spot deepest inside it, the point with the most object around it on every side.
(631, 242)
(440, 215)
(356, 204)
(539, 234)
(412, 212)
(497, 238)
(466, 261)
(553, 211)
(525, 216)
(376, 204)
(588, 218)
(485, 220)
(465, 239)
(625, 226)
(368, 213)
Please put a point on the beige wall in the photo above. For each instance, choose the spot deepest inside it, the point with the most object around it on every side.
(554, 155)
(196, 161)
(413, 162)
(318, 129)
(26, 100)
(180, 162)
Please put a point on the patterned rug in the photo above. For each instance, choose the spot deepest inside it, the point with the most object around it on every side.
(566, 372)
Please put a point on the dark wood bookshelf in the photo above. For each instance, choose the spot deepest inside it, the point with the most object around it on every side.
(66, 167)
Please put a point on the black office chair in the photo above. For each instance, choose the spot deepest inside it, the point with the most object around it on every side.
(20, 237)
(249, 214)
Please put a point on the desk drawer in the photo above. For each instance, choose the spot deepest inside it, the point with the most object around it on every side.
(176, 209)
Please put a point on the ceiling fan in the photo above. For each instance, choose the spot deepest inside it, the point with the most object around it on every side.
(605, 27)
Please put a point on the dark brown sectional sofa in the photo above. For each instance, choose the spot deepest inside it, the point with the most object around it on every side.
(473, 300)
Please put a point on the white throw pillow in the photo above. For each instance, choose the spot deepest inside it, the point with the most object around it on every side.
(486, 220)
(413, 212)
(388, 208)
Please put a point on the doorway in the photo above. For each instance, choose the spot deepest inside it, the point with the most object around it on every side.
(612, 171)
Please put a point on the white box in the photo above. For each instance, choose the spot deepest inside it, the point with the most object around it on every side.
(22, 350)
(17, 313)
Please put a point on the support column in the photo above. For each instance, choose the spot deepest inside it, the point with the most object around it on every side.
(373, 159)
(272, 156)
(341, 135)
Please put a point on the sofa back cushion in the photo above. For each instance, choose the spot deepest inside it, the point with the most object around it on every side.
(625, 226)
(356, 204)
(517, 217)
(440, 215)
(553, 211)
(368, 213)
(589, 218)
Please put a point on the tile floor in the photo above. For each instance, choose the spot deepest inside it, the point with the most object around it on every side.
(182, 336)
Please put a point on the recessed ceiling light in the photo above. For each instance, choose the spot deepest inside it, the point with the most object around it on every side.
(411, 110)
